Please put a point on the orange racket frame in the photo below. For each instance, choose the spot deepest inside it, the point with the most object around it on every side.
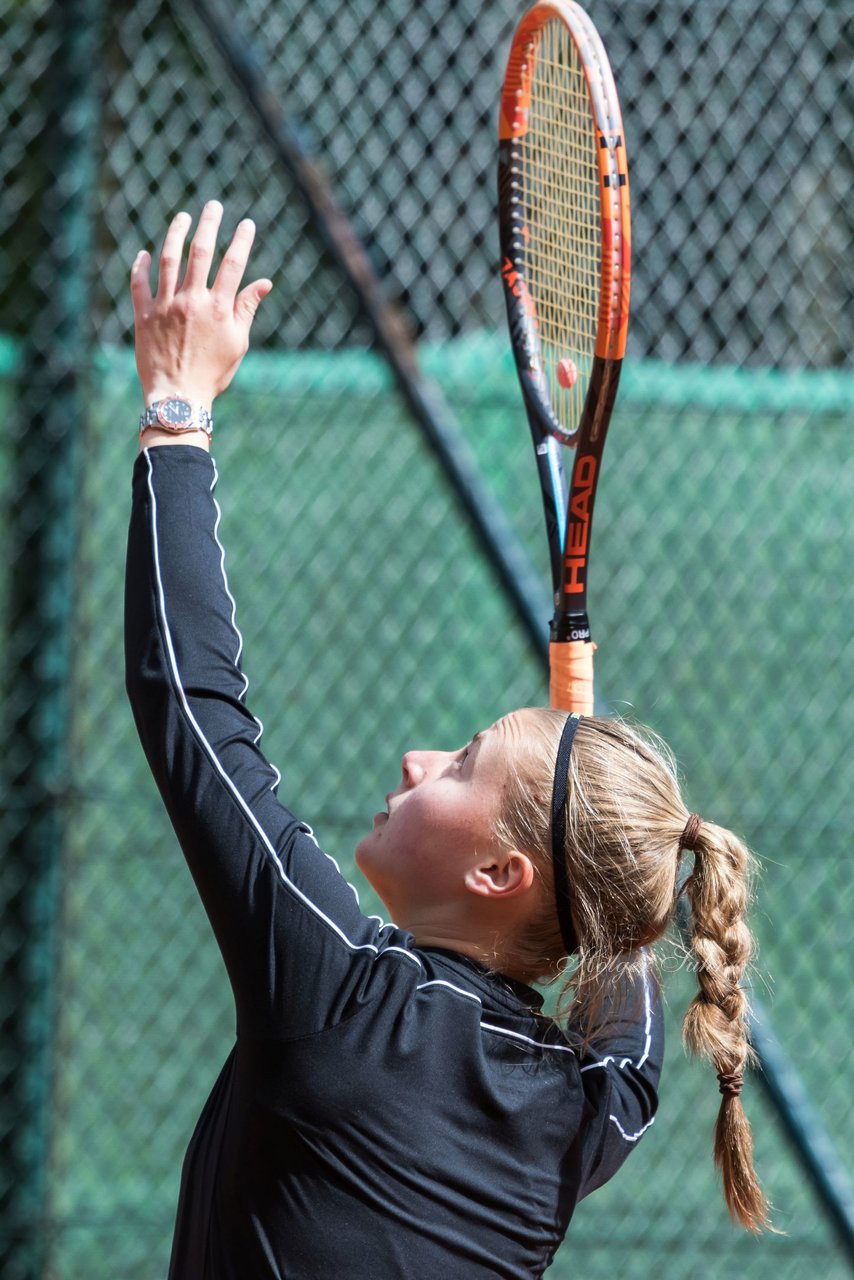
(532, 254)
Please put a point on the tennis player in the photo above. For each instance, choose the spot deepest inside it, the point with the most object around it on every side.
(396, 1103)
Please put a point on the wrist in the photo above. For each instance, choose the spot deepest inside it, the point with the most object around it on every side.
(176, 415)
(152, 437)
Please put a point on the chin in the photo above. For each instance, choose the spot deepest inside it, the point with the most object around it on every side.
(362, 858)
(363, 847)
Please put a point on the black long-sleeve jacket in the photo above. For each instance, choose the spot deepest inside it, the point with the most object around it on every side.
(387, 1111)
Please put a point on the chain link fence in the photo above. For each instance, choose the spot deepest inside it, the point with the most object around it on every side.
(721, 588)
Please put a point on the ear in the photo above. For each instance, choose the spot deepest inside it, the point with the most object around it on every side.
(507, 875)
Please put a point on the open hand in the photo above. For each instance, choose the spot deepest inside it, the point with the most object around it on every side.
(190, 339)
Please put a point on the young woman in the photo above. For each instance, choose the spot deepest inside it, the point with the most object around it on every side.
(396, 1104)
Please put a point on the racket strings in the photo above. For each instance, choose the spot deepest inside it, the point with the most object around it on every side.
(562, 216)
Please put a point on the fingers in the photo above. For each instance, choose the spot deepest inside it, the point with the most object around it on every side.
(171, 255)
(203, 246)
(229, 275)
(233, 265)
(140, 284)
(249, 299)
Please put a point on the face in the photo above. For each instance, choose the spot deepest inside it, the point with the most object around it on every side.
(438, 824)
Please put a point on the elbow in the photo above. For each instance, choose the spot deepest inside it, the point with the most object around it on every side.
(647, 1100)
(146, 683)
(133, 686)
(137, 685)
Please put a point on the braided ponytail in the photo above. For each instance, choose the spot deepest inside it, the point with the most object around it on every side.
(623, 810)
(715, 1025)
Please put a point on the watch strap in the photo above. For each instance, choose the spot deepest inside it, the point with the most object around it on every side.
(201, 420)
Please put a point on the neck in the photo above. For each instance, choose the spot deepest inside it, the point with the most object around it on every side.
(488, 949)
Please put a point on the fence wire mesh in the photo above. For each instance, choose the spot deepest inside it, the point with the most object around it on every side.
(727, 488)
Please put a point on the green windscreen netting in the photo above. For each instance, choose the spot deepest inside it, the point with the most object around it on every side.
(722, 606)
(721, 581)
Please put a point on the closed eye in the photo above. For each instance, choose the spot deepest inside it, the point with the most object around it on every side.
(468, 749)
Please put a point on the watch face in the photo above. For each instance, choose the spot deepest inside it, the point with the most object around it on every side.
(175, 412)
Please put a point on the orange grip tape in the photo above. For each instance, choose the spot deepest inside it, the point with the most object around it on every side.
(571, 676)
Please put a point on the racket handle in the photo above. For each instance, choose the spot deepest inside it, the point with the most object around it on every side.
(571, 675)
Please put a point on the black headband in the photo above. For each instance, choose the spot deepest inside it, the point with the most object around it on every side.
(561, 879)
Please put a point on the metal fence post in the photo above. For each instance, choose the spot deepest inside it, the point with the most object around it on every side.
(50, 414)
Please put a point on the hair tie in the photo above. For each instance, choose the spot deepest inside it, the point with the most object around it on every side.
(688, 838)
(563, 899)
(730, 1085)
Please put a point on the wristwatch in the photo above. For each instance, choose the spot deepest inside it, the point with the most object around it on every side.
(176, 414)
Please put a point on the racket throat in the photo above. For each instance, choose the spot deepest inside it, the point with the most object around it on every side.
(567, 627)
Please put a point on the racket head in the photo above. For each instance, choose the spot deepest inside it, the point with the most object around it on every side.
(563, 211)
(564, 220)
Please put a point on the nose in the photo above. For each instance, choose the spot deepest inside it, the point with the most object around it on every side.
(412, 769)
(418, 765)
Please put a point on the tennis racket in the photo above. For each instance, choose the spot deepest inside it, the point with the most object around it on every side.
(563, 200)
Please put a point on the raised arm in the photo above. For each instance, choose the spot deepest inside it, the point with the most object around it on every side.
(289, 928)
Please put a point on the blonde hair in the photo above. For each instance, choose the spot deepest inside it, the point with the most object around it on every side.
(624, 819)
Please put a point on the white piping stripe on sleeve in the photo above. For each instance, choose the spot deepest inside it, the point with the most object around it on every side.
(517, 1035)
(648, 1008)
(403, 951)
(628, 1062)
(277, 777)
(489, 1026)
(351, 887)
(383, 924)
(631, 1137)
(310, 833)
(214, 759)
(440, 982)
(231, 598)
